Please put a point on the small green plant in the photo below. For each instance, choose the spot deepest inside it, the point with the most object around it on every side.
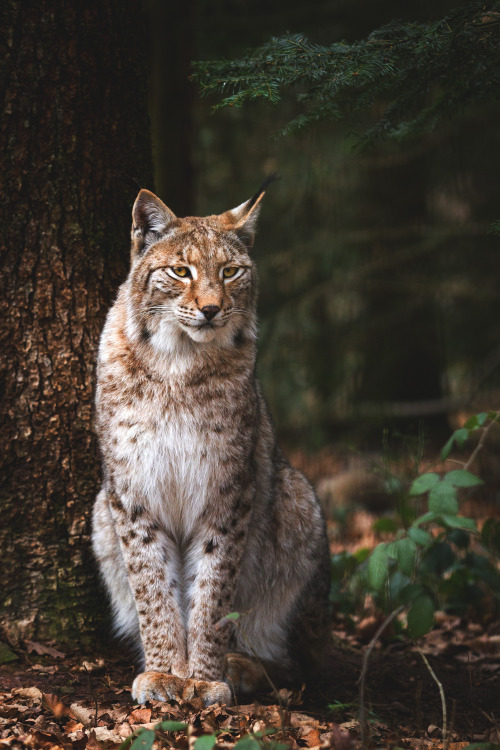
(431, 561)
(145, 738)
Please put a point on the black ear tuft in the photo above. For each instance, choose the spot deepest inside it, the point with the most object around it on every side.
(273, 177)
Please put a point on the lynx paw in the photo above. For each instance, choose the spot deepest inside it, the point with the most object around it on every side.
(156, 686)
(210, 692)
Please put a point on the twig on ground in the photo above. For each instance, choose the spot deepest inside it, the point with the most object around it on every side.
(92, 694)
(441, 693)
(362, 678)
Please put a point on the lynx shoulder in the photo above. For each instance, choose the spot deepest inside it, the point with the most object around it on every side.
(199, 513)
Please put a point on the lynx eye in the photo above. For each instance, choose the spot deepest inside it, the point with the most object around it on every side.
(182, 271)
(229, 272)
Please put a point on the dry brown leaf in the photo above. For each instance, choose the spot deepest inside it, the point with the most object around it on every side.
(44, 670)
(140, 716)
(101, 738)
(298, 720)
(83, 714)
(52, 702)
(43, 650)
(30, 692)
(124, 730)
(73, 726)
(311, 737)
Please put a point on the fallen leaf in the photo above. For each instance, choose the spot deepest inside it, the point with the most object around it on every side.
(30, 692)
(52, 702)
(83, 714)
(44, 670)
(103, 734)
(73, 726)
(42, 650)
(140, 716)
(311, 737)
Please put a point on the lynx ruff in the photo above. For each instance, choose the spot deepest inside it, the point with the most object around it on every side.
(200, 514)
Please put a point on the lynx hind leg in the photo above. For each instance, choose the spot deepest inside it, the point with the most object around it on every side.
(245, 674)
(112, 567)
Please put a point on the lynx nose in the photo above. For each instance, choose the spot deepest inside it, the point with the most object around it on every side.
(210, 311)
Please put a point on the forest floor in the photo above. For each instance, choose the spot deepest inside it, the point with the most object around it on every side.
(53, 698)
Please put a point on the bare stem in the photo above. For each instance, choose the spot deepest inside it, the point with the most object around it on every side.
(441, 693)
(481, 442)
(362, 679)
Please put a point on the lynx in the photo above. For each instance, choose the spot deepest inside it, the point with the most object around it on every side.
(199, 514)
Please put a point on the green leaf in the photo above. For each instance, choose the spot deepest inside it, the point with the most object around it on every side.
(459, 522)
(411, 592)
(446, 450)
(385, 525)
(362, 554)
(6, 654)
(443, 499)
(462, 478)
(459, 537)
(421, 616)
(232, 616)
(425, 518)
(477, 420)
(170, 726)
(406, 550)
(378, 564)
(423, 483)
(398, 582)
(248, 742)
(419, 536)
(206, 742)
(144, 740)
(461, 436)
(127, 742)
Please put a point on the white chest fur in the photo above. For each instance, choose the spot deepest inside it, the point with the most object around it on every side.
(168, 466)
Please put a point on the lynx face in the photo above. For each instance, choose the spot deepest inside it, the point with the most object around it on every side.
(196, 283)
(192, 279)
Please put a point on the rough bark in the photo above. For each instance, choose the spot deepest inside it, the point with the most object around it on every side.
(73, 134)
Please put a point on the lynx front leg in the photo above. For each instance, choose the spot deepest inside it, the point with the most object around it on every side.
(152, 580)
(219, 551)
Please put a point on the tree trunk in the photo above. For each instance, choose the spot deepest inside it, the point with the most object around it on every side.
(74, 135)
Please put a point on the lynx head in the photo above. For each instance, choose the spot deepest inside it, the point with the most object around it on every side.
(192, 279)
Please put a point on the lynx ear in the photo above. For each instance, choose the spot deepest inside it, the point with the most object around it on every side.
(243, 218)
(150, 220)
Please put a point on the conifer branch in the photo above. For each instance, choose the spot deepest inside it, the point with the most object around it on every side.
(422, 73)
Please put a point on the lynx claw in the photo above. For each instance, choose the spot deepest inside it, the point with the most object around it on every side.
(159, 686)
(156, 686)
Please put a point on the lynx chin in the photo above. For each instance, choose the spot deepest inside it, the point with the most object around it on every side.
(199, 513)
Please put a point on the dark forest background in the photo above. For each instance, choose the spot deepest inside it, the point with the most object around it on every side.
(378, 268)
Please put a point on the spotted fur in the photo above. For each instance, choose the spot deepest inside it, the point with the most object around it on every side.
(199, 513)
